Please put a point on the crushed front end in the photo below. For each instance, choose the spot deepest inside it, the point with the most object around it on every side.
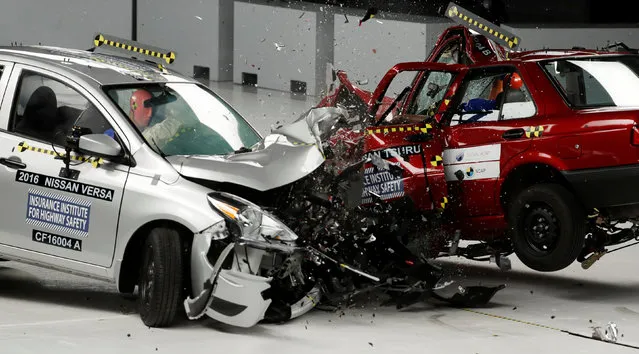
(246, 268)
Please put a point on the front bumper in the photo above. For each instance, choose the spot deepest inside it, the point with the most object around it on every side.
(226, 280)
(606, 187)
(237, 299)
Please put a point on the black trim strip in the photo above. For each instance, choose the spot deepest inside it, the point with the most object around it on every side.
(134, 20)
(606, 187)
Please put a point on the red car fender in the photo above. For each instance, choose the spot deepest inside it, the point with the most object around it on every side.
(528, 157)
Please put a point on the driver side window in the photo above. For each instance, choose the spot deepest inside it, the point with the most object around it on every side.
(493, 94)
(430, 92)
(46, 109)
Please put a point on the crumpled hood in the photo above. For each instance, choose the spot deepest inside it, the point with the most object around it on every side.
(286, 155)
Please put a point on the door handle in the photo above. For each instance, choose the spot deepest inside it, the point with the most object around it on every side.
(12, 163)
(514, 134)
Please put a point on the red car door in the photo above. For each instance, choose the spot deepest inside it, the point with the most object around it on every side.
(406, 150)
(484, 128)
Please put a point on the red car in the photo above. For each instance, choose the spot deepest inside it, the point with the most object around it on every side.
(534, 152)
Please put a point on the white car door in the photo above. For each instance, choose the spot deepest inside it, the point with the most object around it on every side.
(45, 212)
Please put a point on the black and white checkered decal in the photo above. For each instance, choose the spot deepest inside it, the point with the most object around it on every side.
(58, 213)
(381, 183)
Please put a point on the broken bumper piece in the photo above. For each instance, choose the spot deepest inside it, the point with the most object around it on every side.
(227, 295)
(227, 279)
(238, 299)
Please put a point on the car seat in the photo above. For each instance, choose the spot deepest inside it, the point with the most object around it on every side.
(40, 115)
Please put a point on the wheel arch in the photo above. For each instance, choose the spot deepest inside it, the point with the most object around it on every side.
(127, 276)
(525, 175)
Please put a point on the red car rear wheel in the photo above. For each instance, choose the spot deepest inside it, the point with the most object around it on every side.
(548, 227)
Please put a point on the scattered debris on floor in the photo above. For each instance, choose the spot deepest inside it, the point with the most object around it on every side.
(609, 334)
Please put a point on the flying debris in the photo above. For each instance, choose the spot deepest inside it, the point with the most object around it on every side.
(369, 14)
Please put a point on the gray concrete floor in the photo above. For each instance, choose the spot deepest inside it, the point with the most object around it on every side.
(58, 313)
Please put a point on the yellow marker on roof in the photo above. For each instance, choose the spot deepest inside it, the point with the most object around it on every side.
(102, 40)
(475, 22)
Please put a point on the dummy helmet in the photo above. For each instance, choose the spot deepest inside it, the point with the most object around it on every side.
(140, 114)
(515, 81)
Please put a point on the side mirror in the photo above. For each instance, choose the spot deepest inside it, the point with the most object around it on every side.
(100, 145)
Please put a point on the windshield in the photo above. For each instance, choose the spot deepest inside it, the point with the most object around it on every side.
(596, 82)
(183, 119)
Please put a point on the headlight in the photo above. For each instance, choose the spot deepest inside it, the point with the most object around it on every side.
(252, 223)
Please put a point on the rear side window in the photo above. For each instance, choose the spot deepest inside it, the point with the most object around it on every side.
(596, 82)
(46, 109)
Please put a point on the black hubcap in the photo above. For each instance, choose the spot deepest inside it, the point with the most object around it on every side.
(541, 229)
(147, 277)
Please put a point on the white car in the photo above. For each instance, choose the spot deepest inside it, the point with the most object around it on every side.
(86, 191)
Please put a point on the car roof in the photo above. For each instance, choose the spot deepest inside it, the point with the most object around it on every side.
(544, 54)
(99, 68)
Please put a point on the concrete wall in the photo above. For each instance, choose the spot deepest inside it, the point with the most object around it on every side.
(257, 30)
(235, 36)
(198, 31)
(67, 23)
(366, 52)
